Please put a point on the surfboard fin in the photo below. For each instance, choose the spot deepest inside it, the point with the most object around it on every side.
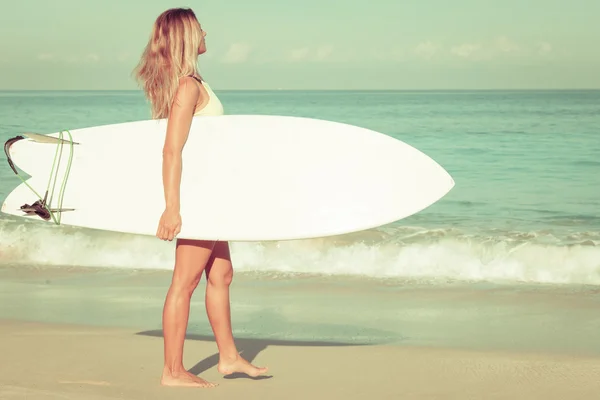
(7, 145)
(39, 208)
(36, 137)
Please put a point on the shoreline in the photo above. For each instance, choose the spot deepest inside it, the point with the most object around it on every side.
(473, 316)
(65, 361)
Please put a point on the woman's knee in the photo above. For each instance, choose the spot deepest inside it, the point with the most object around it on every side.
(220, 276)
(185, 284)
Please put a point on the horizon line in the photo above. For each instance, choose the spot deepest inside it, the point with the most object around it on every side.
(319, 90)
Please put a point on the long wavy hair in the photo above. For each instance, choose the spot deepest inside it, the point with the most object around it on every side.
(171, 53)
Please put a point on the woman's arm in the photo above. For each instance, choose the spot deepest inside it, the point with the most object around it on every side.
(178, 128)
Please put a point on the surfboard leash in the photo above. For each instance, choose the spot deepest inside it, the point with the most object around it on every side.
(41, 207)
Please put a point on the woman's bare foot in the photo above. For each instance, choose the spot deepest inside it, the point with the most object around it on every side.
(238, 364)
(185, 379)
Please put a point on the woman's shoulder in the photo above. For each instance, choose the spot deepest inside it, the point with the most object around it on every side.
(187, 90)
(188, 83)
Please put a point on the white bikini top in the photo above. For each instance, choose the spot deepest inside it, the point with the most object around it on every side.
(214, 106)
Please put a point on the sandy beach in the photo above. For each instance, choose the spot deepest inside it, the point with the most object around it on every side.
(492, 292)
(87, 334)
(59, 361)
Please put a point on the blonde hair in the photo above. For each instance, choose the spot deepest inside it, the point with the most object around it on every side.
(171, 53)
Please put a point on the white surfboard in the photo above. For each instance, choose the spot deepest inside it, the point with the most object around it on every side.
(245, 178)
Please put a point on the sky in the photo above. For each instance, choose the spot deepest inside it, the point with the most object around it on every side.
(312, 44)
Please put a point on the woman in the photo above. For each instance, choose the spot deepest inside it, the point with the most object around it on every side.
(168, 73)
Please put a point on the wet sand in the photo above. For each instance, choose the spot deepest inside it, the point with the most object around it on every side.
(60, 361)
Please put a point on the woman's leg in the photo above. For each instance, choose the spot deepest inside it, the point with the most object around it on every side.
(219, 274)
(191, 257)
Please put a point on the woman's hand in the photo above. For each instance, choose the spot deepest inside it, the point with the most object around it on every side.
(169, 225)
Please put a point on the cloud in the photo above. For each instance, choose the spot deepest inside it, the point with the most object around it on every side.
(299, 54)
(237, 53)
(426, 49)
(466, 50)
(92, 57)
(544, 48)
(505, 45)
(497, 48)
(501, 48)
(324, 52)
(309, 54)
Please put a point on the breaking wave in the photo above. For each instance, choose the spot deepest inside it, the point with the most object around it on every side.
(390, 252)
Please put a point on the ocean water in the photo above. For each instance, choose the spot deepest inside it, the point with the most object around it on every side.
(509, 259)
(525, 208)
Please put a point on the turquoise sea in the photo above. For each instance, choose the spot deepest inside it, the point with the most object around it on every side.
(516, 243)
